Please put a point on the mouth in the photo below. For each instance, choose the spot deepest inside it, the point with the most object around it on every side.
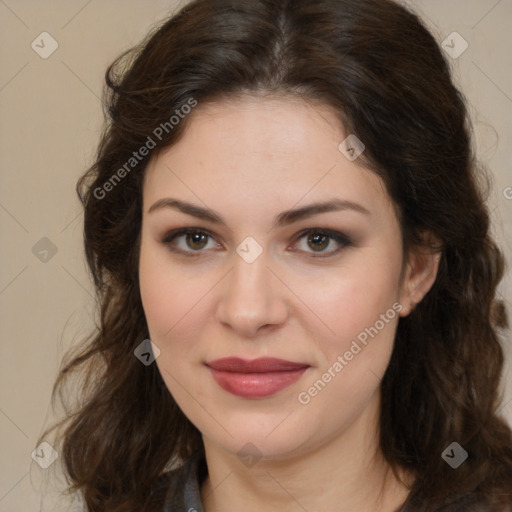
(257, 378)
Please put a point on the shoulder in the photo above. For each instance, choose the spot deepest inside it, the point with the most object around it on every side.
(484, 488)
(472, 502)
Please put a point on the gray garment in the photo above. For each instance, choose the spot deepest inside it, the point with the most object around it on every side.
(180, 492)
(183, 493)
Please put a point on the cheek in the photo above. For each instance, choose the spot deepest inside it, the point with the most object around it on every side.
(363, 312)
(347, 300)
(171, 299)
(359, 309)
(173, 309)
(158, 303)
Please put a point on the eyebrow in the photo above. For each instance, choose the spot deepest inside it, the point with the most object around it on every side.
(283, 219)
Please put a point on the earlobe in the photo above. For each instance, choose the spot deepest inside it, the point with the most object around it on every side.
(421, 272)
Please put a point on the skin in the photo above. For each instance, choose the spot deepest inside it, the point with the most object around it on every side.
(250, 159)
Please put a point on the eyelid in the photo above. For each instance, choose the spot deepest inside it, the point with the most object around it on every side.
(169, 236)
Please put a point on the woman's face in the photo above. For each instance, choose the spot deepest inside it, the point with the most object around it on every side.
(266, 271)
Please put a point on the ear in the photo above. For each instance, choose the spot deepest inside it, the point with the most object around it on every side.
(420, 272)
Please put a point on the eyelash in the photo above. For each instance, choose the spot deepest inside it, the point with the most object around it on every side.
(340, 238)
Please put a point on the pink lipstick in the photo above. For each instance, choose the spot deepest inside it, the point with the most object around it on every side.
(256, 378)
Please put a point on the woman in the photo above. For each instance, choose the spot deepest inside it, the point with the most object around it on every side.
(285, 202)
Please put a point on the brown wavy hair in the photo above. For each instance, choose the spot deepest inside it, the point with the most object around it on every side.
(375, 63)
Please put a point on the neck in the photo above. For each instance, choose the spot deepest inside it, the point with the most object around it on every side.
(342, 474)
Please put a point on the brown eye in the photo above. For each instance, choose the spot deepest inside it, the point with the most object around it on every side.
(190, 241)
(318, 242)
(196, 240)
(321, 242)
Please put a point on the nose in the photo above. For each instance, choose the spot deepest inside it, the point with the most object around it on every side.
(253, 300)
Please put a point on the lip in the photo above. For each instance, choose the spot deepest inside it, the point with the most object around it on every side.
(256, 378)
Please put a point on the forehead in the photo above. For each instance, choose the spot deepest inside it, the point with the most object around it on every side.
(262, 149)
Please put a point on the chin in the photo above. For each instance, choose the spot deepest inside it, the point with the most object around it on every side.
(259, 440)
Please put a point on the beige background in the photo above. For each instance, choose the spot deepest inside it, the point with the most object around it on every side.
(50, 124)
